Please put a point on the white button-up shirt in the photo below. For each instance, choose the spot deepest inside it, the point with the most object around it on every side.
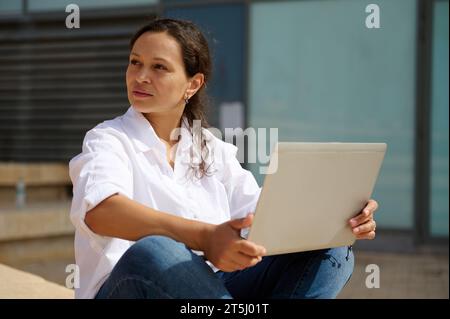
(125, 156)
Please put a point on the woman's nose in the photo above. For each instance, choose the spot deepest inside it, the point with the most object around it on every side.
(143, 76)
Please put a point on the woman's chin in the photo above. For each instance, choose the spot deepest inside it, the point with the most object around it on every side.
(140, 107)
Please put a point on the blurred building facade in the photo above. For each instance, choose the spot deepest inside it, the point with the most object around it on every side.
(312, 69)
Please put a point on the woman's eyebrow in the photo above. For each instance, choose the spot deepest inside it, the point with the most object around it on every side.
(162, 59)
(156, 58)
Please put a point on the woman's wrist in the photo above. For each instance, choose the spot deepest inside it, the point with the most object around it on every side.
(204, 235)
(193, 233)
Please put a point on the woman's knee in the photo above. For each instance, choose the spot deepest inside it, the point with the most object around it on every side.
(156, 244)
(160, 265)
(154, 254)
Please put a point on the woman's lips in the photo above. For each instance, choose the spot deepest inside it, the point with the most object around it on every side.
(141, 94)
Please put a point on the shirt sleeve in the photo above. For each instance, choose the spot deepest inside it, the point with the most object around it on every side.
(241, 186)
(99, 171)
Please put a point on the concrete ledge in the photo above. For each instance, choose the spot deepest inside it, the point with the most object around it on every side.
(40, 220)
(17, 253)
(34, 174)
(16, 284)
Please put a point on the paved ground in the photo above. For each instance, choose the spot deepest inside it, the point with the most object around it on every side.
(401, 276)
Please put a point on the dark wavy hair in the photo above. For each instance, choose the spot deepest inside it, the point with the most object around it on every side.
(197, 59)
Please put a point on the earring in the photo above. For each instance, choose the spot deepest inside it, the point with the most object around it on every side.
(186, 100)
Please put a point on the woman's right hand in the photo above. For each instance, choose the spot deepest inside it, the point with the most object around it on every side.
(226, 250)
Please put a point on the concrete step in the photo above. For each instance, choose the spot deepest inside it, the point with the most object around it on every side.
(17, 284)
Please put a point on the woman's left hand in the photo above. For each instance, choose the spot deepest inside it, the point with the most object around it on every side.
(363, 225)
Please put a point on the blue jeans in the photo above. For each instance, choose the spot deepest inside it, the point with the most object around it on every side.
(160, 267)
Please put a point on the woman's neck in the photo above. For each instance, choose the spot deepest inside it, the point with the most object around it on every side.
(164, 124)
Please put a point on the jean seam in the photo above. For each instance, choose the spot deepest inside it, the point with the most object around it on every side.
(305, 273)
(136, 278)
(350, 252)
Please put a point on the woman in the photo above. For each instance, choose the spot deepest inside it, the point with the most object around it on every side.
(153, 222)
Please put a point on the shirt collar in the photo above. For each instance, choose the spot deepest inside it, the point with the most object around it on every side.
(144, 137)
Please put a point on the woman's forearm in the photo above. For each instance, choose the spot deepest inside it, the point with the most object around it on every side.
(121, 217)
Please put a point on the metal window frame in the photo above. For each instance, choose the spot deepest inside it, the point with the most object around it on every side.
(423, 127)
(422, 123)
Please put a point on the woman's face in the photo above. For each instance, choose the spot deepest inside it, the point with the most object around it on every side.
(156, 79)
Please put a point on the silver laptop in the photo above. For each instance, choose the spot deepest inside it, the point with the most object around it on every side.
(314, 189)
